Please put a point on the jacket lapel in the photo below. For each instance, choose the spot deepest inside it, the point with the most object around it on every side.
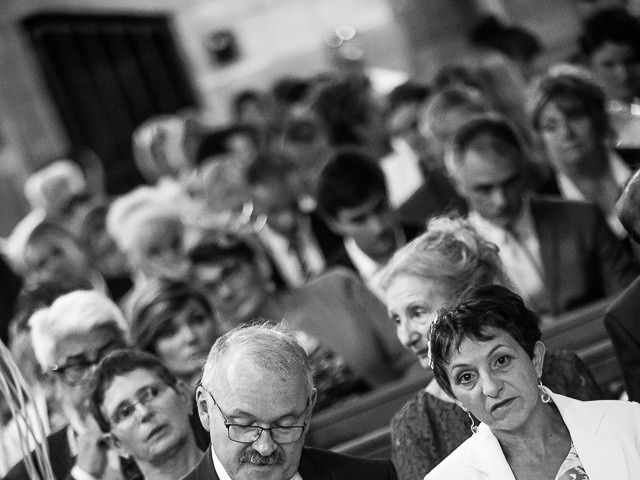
(309, 469)
(549, 255)
(592, 440)
(205, 469)
(486, 456)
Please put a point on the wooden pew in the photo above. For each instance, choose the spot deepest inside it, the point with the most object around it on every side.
(361, 427)
(362, 415)
(582, 331)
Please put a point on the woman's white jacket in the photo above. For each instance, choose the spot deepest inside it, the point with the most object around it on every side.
(606, 434)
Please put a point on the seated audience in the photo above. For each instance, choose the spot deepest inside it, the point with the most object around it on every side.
(352, 199)
(621, 319)
(486, 353)
(69, 338)
(143, 409)
(559, 254)
(419, 279)
(336, 313)
(174, 321)
(256, 379)
(568, 112)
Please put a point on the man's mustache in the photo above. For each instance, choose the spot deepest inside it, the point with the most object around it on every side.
(253, 457)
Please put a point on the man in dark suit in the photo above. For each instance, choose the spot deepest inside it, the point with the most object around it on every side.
(559, 254)
(623, 318)
(256, 399)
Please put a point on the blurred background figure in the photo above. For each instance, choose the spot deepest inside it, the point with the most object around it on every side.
(610, 44)
(174, 320)
(568, 111)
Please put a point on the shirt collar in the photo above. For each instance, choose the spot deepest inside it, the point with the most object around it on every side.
(523, 223)
(222, 473)
(365, 265)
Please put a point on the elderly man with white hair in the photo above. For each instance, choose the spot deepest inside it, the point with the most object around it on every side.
(69, 339)
(256, 399)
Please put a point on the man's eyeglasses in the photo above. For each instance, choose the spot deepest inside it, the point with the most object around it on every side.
(251, 433)
(124, 413)
(78, 371)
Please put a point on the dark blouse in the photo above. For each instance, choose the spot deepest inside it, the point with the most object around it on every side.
(427, 429)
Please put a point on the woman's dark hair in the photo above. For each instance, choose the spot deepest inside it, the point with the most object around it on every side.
(573, 90)
(157, 304)
(469, 315)
(121, 362)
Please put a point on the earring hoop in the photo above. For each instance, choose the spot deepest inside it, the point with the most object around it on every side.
(474, 427)
(544, 396)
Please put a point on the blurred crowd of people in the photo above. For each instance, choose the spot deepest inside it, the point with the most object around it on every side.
(347, 216)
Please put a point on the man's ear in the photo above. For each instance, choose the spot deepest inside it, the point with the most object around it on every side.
(203, 407)
(538, 357)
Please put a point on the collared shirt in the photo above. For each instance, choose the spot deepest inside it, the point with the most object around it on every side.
(519, 250)
(222, 473)
(366, 266)
(620, 173)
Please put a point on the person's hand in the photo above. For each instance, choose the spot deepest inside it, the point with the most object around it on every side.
(92, 449)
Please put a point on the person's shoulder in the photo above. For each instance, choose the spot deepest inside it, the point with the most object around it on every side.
(564, 205)
(347, 466)
(626, 305)
(332, 279)
(617, 414)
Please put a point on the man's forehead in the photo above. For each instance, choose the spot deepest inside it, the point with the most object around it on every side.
(371, 205)
(485, 166)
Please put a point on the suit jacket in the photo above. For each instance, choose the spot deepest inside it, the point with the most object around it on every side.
(434, 198)
(337, 309)
(316, 464)
(583, 260)
(606, 434)
(62, 461)
(622, 321)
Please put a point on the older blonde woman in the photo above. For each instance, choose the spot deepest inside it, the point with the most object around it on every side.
(421, 277)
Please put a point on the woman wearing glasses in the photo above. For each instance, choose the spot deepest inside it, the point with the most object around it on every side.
(143, 409)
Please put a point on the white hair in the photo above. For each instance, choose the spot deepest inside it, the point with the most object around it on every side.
(137, 207)
(51, 187)
(75, 313)
(271, 347)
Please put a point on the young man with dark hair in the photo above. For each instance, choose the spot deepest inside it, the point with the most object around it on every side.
(352, 197)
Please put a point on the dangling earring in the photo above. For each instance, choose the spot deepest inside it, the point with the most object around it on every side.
(474, 427)
(544, 396)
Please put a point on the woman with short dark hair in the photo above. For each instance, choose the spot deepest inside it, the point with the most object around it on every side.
(486, 353)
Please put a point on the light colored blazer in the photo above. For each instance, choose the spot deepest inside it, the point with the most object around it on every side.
(606, 435)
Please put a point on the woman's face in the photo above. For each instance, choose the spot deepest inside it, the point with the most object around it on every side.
(569, 136)
(184, 343)
(413, 303)
(614, 64)
(496, 380)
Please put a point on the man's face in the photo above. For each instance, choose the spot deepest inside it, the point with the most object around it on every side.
(148, 418)
(492, 184)
(402, 125)
(76, 356)
(615, 65)
(235, 286)
(371, 226)
(247, 394)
